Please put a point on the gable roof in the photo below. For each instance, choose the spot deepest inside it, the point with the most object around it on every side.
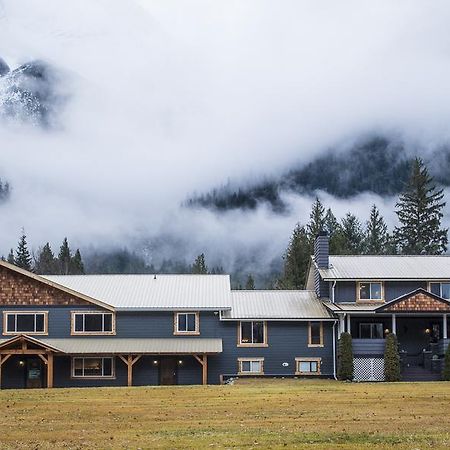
(387, 267)
(153, 292)
(54, 284)
(419, 300)
(23, 337)
(276, 305)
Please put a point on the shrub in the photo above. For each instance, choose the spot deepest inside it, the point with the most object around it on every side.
(446, 371)
(391, 359)
(345, 368)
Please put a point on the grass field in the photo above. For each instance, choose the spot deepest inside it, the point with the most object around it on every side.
(251, 414)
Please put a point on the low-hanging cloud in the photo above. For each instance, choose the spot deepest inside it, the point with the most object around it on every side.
(166, 98)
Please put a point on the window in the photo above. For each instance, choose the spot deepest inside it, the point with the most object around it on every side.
(370, 291)
(25, 322)
(315, 334)
(252, 334)
(371, 331)
(251, 366)
(93, 323)
(442, 289)
(187, 323)
(307, 366)
(92, 367)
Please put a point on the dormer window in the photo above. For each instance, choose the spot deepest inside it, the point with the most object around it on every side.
(370, 291)
(441, 288)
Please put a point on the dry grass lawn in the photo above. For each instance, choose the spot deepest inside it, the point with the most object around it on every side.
(251, 414)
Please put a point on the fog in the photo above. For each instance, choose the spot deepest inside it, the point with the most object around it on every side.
(166, 98)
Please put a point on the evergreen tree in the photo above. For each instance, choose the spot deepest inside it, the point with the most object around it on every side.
(317, 221)
(333, 229)
(250, 283)
(46, 263)
(199, 266)
(351, 235)
(23, 257)
(376, 238)
(296, 260)
(64, 258)
(345, 361)
(391, 359)
(76, 264)
(446, 371)
(10, 258)
(419, 211)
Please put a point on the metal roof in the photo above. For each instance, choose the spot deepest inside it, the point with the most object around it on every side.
(351, 307)
(179, 345)
(276, 305)
(153, 292)
(387, 267)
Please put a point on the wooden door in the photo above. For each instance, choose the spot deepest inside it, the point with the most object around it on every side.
(34, 373)
(168, 371)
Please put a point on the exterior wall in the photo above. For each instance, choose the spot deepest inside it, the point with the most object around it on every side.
(345, 291)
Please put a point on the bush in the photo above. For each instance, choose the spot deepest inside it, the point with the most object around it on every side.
(345, 368)
(391, 359)
(446, 371)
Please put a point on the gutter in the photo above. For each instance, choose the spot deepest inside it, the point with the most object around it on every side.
(334, 351)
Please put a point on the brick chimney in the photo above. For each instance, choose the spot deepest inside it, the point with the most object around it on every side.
(322, 261)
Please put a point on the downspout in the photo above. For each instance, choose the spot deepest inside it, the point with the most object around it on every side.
(332, 291)
(334, 351)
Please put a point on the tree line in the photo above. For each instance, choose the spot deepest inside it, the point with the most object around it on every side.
(5, 190)
(419, 210)
(44, 261)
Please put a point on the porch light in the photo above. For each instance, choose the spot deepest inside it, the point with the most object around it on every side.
(386, 331)
(427, 331)
(21, 363)
(155, 362)
(180, 361)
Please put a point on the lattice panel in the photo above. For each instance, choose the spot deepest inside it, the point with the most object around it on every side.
(368, 369)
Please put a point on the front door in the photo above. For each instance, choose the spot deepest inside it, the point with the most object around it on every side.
(168, 371)
(34, 373)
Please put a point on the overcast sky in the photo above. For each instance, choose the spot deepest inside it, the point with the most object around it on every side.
(171, 97)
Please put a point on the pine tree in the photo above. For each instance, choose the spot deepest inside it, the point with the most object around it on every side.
(391, 359)
(64, 258)
(376, 238)
(250, 283)
(10, 258)
(419, 211)
(46, 262)
(296, 260)
(317, 221)
(23, 257)
(76, 264)
(334, 231)
(345, 361)
(351, 235)
(199, 266)
(446, 371)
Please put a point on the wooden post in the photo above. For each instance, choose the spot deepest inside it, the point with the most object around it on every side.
(50, 370)
(3, 359)
(130, 362)
(203, 360)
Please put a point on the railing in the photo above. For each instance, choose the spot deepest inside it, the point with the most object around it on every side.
(368, 346)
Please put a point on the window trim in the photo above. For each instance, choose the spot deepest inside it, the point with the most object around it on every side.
(310, 344)
(251, 359)
(429, 283)
(5, 331)
(176, 332)
(73, 332)
(251, 344)
(93, 377)
(364, 300)
(299, 360)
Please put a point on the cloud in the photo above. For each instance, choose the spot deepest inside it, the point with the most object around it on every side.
(171, 97)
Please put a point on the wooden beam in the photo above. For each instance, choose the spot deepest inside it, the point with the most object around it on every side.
(130, 362)
(19, 351)
(50, 370)
(44, 359)
(24, 344)
(4, 359)
(203, 360)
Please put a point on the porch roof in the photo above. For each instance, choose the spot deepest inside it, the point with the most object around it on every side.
(172, 346)
(351, 307)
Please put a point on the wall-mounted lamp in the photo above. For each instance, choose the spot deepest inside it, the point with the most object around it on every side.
(180, 361)
(427, 331)
(387, 331)
(21, 363)
(155, 362)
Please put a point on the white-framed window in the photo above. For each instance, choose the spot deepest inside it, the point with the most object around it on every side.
(186, 323)
(251, 366)
(372, 290)
(92, 367)
(93, 322)
(315, 334)
(252, 333)
(371, 331)
(307, 366)
(441, 288)
(29, 322)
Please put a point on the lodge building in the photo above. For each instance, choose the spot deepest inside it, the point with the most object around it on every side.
(118, 330)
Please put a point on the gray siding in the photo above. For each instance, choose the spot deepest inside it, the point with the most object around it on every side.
(368, 347)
